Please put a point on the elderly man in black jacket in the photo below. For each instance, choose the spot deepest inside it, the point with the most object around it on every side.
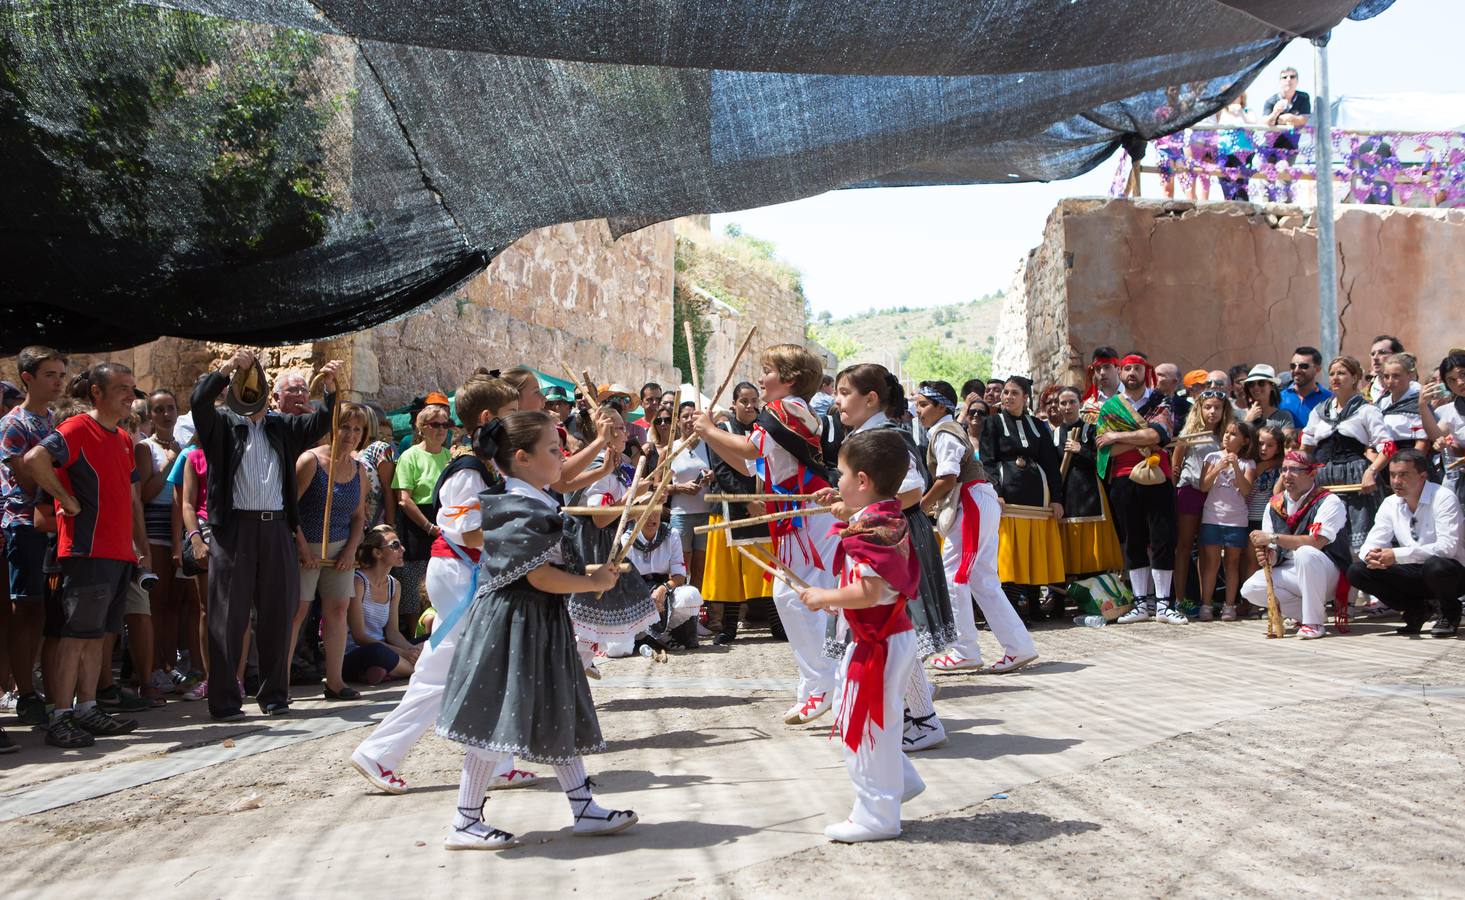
(252, 517)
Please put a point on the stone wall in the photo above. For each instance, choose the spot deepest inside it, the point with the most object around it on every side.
(1211, 285)
(740, 288)
(566, 292)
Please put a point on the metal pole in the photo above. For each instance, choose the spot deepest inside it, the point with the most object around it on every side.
(1327, 247)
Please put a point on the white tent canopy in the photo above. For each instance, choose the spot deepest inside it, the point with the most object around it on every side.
(1401, 111)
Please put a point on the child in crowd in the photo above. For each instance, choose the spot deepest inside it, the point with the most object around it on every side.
(451, 580)
(1227, 480)
(785, 451)
(1209, 417)
(1271, 443)
(608, 623)
(375, 649)
(879, 573)
(517, 684)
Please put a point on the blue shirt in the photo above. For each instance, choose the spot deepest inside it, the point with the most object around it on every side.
(1301, 407)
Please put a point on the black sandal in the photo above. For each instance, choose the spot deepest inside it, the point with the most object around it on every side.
(347, 692)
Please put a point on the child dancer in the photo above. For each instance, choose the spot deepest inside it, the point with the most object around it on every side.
(785, 451)
(451, 569)
(865, 395)
(964, 505)
(609, 622)
(1226, 479)
(878, 573)
(516, 684)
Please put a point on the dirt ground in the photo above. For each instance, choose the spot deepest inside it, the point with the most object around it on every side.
(1312, 765)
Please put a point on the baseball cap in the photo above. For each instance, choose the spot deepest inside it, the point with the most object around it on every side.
(1195, 377)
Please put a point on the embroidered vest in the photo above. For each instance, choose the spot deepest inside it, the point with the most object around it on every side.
(971, 470)
(1338, 550)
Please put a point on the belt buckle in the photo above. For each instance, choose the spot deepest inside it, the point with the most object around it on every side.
(267, 516)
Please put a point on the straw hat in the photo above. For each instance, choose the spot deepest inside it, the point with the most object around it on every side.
(249, 390)
(1261, 372)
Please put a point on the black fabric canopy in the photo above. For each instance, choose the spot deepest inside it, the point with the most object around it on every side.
(266, 171)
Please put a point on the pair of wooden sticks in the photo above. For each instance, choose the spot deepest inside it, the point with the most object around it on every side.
(762, 520)
(775, 568)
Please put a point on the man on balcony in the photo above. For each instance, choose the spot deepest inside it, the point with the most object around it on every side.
(1289, 108)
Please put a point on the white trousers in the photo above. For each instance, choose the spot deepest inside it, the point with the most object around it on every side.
(806, 627)
(686, 601)
(880, 770)
(447, 586)
(983, 584)
(1302, 584)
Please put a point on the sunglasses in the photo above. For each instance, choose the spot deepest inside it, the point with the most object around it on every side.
(1212, 394)
(1299, 365)
(662, 421)
(394, 545)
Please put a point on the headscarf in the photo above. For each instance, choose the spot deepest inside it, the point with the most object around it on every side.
(1091, 383)
(936, 397)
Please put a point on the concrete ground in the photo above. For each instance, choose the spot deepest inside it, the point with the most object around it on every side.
(1141, 760)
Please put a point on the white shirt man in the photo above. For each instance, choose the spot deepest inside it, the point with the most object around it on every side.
(1306, 537)
(1414, 558)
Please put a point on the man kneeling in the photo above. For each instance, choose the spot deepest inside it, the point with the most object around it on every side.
(1413, 558)
(1306, 540)
(660, 562)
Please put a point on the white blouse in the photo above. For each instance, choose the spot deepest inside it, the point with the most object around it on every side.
(1365, 426)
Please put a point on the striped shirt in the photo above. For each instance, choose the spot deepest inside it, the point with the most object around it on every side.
(259, 484)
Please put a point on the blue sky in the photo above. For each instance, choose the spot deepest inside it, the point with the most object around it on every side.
(871, 249)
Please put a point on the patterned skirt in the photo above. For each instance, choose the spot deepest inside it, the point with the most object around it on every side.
(516, 684)
(1361, 507)
(622, 612)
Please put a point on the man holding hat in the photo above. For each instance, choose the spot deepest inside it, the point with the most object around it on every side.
(251, 455)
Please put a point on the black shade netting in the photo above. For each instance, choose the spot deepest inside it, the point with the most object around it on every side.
(269, 171)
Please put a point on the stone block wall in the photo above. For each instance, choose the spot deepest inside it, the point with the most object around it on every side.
(1211, 285)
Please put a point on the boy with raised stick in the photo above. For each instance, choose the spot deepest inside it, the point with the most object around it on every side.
(785, 453)
(878, 573)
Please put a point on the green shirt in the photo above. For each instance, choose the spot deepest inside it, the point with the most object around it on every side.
(418, 471)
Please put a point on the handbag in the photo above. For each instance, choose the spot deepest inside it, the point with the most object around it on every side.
(1148, 471)
(1102, 595)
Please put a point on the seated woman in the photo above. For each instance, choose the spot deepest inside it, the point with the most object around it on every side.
(375, 649)
(657, 556)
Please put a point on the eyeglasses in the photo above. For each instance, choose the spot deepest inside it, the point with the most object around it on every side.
(1294, 470)
(437, 425)
(1289, 77)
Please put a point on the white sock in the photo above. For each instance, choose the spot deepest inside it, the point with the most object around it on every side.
(58, 712)
(918, 693)
(477, 769)
(85, 707)
(1164, 578)
(1139, 581)
(576, 785)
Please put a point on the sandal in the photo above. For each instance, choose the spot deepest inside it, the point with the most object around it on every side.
(1228, 613)
(347, 692)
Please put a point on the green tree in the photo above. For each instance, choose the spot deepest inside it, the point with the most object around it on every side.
(927, 359)
(841, 345)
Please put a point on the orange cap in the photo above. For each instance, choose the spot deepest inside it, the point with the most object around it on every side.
(438, 398)
(1195, 377)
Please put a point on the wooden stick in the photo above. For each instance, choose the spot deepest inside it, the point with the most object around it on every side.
(757, 498)
(692, 362)
(732, 368)
(1450, 467)
(759, 520)
(1024, 511)
(1274, 610)
(592, 393)
(596, 567)
(600, 510)
(781, 572)
(1344, 488)
(1063, 466)
(1192, 436)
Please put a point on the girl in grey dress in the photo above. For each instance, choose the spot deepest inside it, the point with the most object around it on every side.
(516, 685)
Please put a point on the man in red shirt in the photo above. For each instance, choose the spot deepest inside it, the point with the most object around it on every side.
(87, 465)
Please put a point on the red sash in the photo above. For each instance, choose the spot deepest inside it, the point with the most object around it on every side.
(441, 550)
(863, 709)
(971, 531)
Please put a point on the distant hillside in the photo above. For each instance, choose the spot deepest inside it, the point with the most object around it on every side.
(952, 342)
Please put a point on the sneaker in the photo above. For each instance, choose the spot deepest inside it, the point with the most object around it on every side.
(479, 836)
(814, 706)
(1164, 612)
(848, 832)
(951, 661)
(922, 733)
(8, 701)
(791, 715)
(1444, 628)
(199, 691)
(1228, 613)
(592, 671)
(6, 744)
(721, 640)
(1311, 632)
(1140, 613)
(1009, 663)
(67, 734)
(115, 697)
(514, 778)
(381, 778)
(101, 723)
(234, 715)
(1207, 613)
(30, 709)
(163, 681)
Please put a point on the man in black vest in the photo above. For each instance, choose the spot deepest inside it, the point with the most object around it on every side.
(1305, 537)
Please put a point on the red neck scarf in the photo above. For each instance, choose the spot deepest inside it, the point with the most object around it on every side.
(880, 539)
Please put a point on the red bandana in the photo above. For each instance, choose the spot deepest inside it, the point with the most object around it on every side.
(1091, 389)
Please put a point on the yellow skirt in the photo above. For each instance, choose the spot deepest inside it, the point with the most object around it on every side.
(728, 577)
(1029, 551)
(1090, 548)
